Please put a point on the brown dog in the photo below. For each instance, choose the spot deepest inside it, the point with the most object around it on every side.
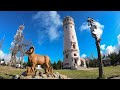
(36, 59)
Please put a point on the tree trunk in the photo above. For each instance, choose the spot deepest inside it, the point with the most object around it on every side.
(99, 59)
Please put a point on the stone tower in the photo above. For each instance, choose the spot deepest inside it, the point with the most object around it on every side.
(71, 49)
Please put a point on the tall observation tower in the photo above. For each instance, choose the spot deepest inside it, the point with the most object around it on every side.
(71, 49)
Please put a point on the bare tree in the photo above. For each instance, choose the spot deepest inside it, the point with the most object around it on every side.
(97, 41)
(19, 46)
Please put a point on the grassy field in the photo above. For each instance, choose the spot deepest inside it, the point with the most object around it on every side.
(7, 72)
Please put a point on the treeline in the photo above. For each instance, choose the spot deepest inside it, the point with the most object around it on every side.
(55, 65)
(92, 63)
(113, 57)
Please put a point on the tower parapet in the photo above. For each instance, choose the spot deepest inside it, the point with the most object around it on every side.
(68, 20)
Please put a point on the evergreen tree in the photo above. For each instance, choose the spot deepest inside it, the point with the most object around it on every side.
(113, 57)
(59, 65)
(29, 64)
(54, 65)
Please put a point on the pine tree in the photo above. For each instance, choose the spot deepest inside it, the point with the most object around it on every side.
(59, 64)
(54, 65)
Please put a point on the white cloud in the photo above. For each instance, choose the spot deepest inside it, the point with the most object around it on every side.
(53, 33)
(118, 37)
(102, 47)
(97, 31)
(110, 48)
(83, 55)
(1, 54)
(84, 26)
(51, 21)
(5, 56)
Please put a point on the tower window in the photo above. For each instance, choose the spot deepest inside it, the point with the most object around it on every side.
(66, 26)
(71, 26)
(75, 54)
(66, 55)
(66, 63)
(68, 19)
(74, 46)
(75, 61)
(72, 37)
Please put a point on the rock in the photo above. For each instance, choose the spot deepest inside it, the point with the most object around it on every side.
(28, 77)
(40, 73)
(21, 77)
(37, 77)
(24, 73)
(56, 75)
(16, 77)
(63, 77)
(37, 73)
(51, 78)
(49, 75)
(44, 76)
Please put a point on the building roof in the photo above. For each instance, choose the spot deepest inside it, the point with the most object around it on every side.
(106, 59)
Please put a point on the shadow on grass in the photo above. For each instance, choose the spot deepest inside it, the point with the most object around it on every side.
(112, 77)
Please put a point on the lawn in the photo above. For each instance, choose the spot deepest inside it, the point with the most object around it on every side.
(91, 74)
(7, 72)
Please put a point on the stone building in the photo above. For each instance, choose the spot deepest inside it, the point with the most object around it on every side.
(71, 51)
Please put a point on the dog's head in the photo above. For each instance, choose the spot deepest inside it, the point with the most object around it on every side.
(30, 51)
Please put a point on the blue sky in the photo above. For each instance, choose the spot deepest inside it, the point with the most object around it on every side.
(44, 29)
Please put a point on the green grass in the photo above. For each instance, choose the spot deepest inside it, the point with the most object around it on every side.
(6, 72)
(91, 74)
(79, 74)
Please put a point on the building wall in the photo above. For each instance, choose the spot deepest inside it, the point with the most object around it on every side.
(71, 48)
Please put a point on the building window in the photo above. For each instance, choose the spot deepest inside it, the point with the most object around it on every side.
(66, 63)
(68, 19)
(74, 46)
(66, 55)
(71, 26)
(72, 37)
(75, 54)
(66, 26)
(75, 61)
